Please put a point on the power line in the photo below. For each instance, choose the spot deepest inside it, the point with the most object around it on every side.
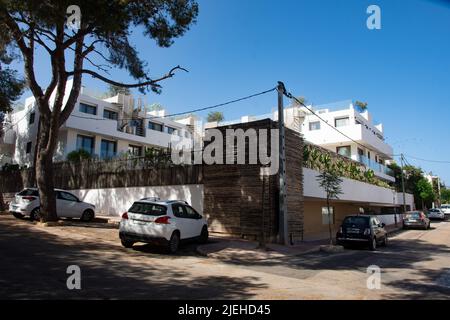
(190, 111)
(427, 160)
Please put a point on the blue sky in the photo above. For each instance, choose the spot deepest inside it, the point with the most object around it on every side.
(322, 50)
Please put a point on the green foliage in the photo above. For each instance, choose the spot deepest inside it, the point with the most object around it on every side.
(115, 90)
(330, 182)
(215, 116)
(156, 157)
(445, 195)
(11, 85)
(78, 155)
(425, 190)
(362, 106)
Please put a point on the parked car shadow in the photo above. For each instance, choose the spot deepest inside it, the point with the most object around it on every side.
(34, 265)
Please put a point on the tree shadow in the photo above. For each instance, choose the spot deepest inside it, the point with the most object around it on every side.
(34, 265)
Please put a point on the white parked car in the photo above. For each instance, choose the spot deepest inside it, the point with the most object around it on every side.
(162, 222)
(436, 213)
(446, 209)
(27, 203)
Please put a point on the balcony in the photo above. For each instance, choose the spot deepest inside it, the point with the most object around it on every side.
(379, 169)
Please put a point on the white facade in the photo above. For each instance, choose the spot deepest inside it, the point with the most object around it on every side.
(104, 127)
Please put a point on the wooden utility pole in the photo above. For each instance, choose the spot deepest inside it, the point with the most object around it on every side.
(403, 184)
(282, 211)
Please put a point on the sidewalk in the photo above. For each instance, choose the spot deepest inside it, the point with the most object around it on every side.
(244, 251)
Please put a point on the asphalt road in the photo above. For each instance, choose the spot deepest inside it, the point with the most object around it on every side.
(34, 261)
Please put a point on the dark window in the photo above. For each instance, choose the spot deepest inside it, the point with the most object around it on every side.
(85, 108)
(85, 143)
(357, 221)
(178, 210)
(170, 130)
(108, 114)
(135, 150)
(341, 122)
(314, 125)
(66, 196)
(28, 192)
(32, 116)
(155, 126)
(108, 149)
(191, 213)
(148, 209)
(29, 144)
(344, 151)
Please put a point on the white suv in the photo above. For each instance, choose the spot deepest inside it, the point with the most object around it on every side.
(27, 203)
(446, 209)
(163, 222)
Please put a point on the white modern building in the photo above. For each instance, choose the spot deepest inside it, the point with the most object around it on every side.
(362, 140)
(105, 128)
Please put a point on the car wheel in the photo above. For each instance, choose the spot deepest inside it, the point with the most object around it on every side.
(35, 214)
(17, 215)
(385, 241)
(88, 215)
(373, 244)
(174, 242)
(127, 243)
(204, 235)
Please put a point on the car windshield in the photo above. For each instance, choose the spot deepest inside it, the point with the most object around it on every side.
(150, 209)
(358, 221)
(28, 192)
(413, 215)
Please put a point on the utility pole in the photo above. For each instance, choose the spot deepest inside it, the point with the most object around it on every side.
(282, 211)
(403, 184)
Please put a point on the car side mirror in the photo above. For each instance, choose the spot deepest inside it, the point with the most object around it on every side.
(383, 225)
(199, 216)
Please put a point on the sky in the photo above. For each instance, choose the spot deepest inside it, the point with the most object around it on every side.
(322, 50)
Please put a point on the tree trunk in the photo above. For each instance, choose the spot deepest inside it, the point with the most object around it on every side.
(329, 222)
(45, 184)
(2, 202)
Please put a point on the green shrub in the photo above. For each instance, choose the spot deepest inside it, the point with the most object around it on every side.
(78, 155)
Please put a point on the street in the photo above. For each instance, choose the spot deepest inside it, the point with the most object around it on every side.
(34, 260)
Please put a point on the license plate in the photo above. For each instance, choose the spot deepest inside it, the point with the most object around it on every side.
(352, 230)
(412, 220)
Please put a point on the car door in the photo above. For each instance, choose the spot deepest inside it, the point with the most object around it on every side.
(67, 205)
(196, 222)
(185, 223)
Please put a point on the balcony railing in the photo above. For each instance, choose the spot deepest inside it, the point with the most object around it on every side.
(375, 166)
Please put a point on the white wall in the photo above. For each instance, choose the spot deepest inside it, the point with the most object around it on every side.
(354, 191)
(115, 201)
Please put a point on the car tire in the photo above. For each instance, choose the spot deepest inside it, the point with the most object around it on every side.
(204, 235)
(35, 215)
(174, 243)
(17, 215)
(385, 241)
(373, 244)
(127, 243)
(88, 215)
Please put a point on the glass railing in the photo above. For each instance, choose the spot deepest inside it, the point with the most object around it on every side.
(375, 166)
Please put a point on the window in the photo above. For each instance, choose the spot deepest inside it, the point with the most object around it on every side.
(314, 125)
(135, 150)
(178, 210)
(32, 116)
(29, 192)
(85, 143)
(191, 213)
(28, 147)
(341, 122)
(148, 209)
(327, 217)
(108, 114)
(344, 151)
(85, 108)
(66, 196)
(170, 130)
(155, 126)
(108, 149)
(186, 134)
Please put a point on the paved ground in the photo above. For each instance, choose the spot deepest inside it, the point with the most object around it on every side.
(415, 265)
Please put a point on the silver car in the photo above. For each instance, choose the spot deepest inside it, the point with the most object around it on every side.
(27, 203)
(416, 219)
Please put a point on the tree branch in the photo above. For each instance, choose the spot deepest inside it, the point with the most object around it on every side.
(150, 82)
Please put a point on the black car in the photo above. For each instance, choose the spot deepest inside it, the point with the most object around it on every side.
(362, 229)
